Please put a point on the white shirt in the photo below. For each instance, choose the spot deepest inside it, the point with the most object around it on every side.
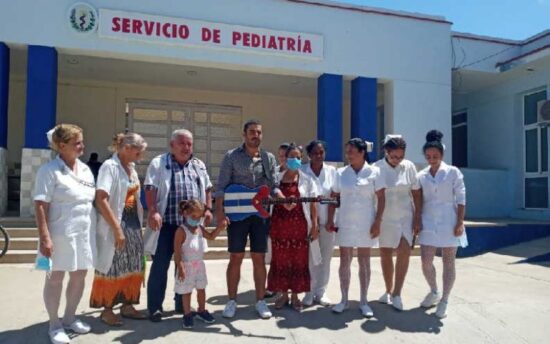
(323, 183)
(441, 195)
(70, 215)
(357, 204)
(398, 213)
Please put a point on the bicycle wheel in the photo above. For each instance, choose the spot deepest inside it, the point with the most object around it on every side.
(4, 241)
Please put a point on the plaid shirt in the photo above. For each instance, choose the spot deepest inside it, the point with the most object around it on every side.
(239, 168)
(184, 185)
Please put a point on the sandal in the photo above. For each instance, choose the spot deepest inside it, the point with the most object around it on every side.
(297, 305)
(281, 301)
(110, 318)
(128, 311)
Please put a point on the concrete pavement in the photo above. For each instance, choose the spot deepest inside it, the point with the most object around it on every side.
(498, 298)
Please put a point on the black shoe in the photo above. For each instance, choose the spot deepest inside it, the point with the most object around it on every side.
(188, 321)
(206, 317)
(269, 294)
(156, 317)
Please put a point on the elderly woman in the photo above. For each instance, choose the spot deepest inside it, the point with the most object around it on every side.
(444, 203)
(360, 187)
(119, 267)
(63, 194)
(402, 214)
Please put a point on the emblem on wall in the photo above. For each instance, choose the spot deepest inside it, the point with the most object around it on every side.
(83, 18)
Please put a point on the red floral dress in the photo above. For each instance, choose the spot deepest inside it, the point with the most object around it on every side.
(289, 269)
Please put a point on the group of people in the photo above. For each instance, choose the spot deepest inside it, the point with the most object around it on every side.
(97, 225)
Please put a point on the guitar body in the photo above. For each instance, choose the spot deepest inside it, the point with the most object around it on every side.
(241, 202)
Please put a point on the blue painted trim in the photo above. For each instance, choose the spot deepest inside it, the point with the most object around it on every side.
(329, 114)
(237, 202)
(4, 93)
(363, 112)
(41, 95)
(485, 239)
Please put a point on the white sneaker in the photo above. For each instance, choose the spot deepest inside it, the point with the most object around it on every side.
(430, 300)
(397, 303)
(340, 307)
(263, 310)
(324, 301)
(58, 336)
(230, 309)
(441, 311)
(78, 326)
(308, 299)
(386, 298)
(366, 311)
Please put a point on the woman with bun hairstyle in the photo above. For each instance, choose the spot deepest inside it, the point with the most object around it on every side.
(444, 201)
(402, 214)
(119, 267)
(63, 194)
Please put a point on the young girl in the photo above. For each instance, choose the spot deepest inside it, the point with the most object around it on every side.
(189, 248)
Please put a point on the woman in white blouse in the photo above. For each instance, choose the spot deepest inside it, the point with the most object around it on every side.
(324, 177)
(63, 194)
(360, 187)
(402, 214)
(119, 268)
(444, 201)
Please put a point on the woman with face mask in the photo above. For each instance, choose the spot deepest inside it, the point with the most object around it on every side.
(292, 227)
(444, 203)
(402, 214)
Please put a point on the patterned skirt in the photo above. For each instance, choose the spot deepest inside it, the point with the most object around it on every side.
(122, 283)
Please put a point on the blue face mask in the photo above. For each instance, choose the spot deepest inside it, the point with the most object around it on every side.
(293, 163)
(43, 263)
(191, 222)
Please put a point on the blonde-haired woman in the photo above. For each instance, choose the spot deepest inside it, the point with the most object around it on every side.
(63, 194)
(119, 267)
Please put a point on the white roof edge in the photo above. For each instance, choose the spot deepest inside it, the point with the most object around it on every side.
(486, 38)
(501, 40)
(345, 5)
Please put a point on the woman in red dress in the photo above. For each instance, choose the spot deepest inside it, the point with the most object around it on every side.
(292, 228)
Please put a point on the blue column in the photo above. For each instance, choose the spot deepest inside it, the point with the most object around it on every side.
(363, 112)
(4, 92)
(329, 114)
(41, 95)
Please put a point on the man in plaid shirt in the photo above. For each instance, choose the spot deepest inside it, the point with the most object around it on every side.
(171, 178)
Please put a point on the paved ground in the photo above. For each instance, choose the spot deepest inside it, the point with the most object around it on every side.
(498, 298)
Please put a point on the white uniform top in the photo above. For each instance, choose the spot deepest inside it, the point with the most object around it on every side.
(399, 210)
(324, 184)
(441, 195)
(71, 216)
(357, 205)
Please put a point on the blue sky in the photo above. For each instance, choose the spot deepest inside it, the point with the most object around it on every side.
(513, 19)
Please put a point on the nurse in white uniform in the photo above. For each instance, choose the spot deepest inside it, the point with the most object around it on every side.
(63, 194)
(361, 190)
(324, 177)
(444, 201)
(402, 214)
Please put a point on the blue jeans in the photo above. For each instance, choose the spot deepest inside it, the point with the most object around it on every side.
(158, 276)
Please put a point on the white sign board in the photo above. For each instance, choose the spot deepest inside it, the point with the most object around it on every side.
(195, 33)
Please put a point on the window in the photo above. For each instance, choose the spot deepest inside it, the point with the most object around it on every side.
(535, 153)
(460, 139)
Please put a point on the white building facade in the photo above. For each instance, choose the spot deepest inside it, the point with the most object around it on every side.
(305, 69)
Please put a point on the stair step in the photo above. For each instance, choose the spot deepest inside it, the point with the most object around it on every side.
(22, 243)
(18, 256)
(28, 232)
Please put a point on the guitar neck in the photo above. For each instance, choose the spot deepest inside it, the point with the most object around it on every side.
(290, 200)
